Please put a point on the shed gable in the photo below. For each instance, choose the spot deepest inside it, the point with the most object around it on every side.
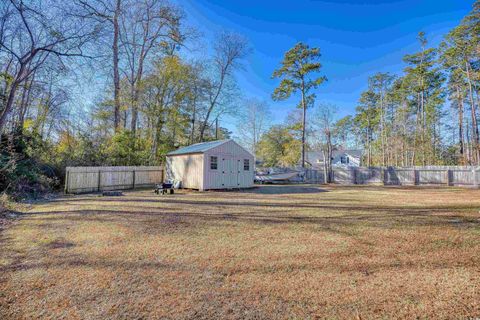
(229, 148)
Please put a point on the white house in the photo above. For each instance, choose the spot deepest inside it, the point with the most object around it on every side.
(348, 158)
(221, 164)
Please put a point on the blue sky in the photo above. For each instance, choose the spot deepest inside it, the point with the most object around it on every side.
(357, 39)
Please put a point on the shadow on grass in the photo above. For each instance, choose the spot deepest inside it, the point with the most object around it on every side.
(230, 204)
(375, 217)
(284, 189)
(75, 260)
(257, 189)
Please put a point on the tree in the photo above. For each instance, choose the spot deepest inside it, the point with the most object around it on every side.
(298, 72)
(278, 147)
(147, 27)
(253, 122)
(107, 12)
(199, 86)
(324, 137)
(380, 84)
(230, 49)
(456, 91)
(343, 129)
(426, 81)
(32, 33)
(459, 50)
(366, 121)
(402, 124)
(166, 93)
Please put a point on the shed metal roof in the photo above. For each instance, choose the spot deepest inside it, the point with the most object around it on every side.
(197, 147)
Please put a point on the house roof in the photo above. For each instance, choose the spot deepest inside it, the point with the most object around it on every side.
(354, 153)
(197, 147)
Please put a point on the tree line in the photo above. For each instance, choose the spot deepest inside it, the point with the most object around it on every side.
(151, 83)
(428, 115)
(123, 82)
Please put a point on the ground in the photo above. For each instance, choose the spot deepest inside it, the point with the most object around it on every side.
(269, 253)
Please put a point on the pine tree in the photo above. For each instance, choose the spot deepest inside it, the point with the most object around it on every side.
(298, 71)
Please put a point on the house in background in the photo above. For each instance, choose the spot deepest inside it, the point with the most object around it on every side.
(221, 164)
(347, 158)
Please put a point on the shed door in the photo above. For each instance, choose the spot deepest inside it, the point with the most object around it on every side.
(229, 172)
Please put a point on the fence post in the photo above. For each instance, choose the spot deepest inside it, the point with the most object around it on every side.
(475, 180)
(354, 175)
(99, 179)
(449, 177)
(133, 179)
(66, 182)
(416, 177)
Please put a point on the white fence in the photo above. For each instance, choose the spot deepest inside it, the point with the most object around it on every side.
(95, 179)
(428, 175)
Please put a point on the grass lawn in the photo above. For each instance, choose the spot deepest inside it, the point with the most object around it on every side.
(269, 253)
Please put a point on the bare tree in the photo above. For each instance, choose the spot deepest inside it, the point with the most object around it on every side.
(33, 32)
(323, 135)
(198, 89)
(147, 26)
(230, 49)
(253, 122)
(107, 12)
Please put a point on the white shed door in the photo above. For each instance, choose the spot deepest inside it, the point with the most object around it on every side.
(229, 172)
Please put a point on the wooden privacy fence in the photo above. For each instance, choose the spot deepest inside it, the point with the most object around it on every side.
(94, 179)
(428, 175)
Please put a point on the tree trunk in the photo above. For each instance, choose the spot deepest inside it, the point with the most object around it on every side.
(329, 154)
(116, 73)
(133, 120)
(475, 132)
(9, 104)
(304, 117)
(136, 93)
(325, 167)
(26, 105)
(460, 125)
(382, 124)
(424, 128)
(204, 124)
(469, 144)
(192, 137)
(21, 113)
(213, 102)
(417, 128)
(158, 134)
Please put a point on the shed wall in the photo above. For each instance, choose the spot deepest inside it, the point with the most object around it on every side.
(230, 172)
(186, 168)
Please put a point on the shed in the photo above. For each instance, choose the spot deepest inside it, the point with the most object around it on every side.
(221, 164)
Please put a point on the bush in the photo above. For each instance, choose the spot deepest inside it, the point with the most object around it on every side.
(21, 174)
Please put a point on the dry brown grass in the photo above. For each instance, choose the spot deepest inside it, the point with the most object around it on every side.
(275, 252)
